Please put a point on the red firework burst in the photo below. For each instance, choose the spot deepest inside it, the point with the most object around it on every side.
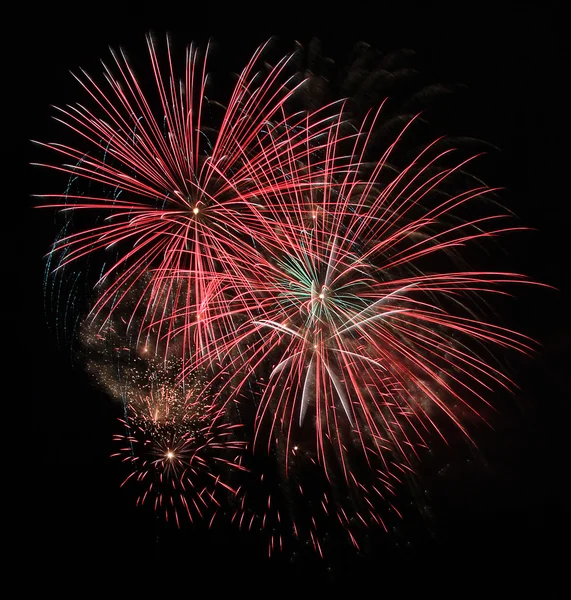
(182, 191)
(357, 308)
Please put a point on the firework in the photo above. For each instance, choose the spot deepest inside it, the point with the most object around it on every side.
(181, 450)
(178, 451)
(279, 273)
(353, 323)
(181, 190)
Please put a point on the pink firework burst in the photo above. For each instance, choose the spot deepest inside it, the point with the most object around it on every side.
(183, 192)
(357, 311)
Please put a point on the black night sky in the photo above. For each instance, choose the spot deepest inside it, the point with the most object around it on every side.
(497, 528)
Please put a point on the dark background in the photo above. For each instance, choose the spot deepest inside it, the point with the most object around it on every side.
(499, 528)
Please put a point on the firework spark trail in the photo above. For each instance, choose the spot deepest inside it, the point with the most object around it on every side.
(314, 504)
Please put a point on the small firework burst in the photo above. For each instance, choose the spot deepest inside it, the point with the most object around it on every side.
(180, 451)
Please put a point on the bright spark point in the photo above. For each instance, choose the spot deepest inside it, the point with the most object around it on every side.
(322, 295)
(195, 210)
(170, 454)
